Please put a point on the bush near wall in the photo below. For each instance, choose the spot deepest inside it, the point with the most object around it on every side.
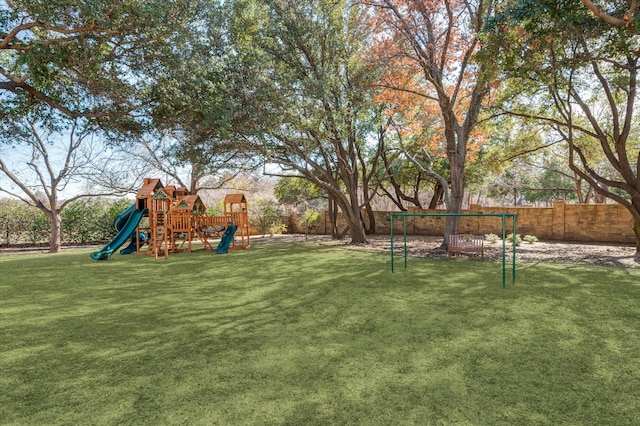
(602, 223)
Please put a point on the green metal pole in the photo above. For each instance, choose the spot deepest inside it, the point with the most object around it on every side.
(513, 264)
(504, 236)
(405, 240)
(391, 241)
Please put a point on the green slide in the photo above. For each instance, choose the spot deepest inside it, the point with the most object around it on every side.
(126, 224)
(122, 218)
(227, 239)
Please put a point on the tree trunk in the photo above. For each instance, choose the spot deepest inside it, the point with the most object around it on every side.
(56, 232)
(635, 205)
(351, 215)
(369, 223)
(458, 178)
(333, 217)
(401, 196)
(370, 220)
(356, 229)
(636, 230)
(438, 193)
(354, 218)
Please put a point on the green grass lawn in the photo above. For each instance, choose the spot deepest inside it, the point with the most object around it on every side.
(306, 334)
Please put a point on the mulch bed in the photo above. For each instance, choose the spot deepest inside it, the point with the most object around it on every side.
(541, 251)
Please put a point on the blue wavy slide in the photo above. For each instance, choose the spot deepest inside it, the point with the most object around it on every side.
(126, 224)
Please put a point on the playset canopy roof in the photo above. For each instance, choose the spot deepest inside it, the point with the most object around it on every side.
(235, 198)
(149, 187)
(191, 203)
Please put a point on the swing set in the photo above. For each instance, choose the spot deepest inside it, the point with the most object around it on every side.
(503, 216)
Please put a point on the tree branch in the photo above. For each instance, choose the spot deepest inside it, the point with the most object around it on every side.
(626, 21)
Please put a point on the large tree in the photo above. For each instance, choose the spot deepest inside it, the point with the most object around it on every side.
(515, 143)
(196, 117)
(307, 90)
(88, 63)
(39, 161)
(579, 77)
(186, 159)
(430, 46)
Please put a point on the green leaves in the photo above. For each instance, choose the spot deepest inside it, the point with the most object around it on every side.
(83, 58)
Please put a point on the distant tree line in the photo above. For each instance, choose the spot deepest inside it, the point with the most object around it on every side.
(86, 221)
(91, 220)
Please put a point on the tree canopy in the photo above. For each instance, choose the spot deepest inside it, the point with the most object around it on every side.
(90, 59)
(430, 47)
(308, 87)
(577, 77)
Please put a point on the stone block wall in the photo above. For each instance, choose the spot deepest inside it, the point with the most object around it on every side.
(606, 223)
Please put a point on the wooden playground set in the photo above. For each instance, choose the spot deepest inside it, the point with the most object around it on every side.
(174, 220)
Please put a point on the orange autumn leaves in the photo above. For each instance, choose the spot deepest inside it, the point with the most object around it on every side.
(427, 49)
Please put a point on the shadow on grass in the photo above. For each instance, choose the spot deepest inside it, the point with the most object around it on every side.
(311, 334)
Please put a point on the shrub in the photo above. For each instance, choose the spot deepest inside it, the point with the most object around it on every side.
(84, 221)
(492, 238)
(21, 223)
(106, 220)
(91, 220)
(530, 239)
(217, 209)
(14, 219)
(266, 215)
(510, 238)
(311, 216)
(38, 227)
(79, 224)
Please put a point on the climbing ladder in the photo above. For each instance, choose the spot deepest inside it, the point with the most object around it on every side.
(159, 238)
(202, 236)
